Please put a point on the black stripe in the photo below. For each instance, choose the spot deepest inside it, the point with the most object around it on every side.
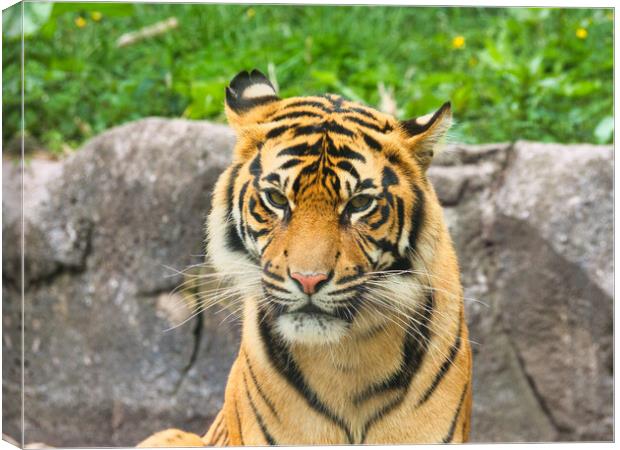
(259, 418)
(283, 361)
(415, 345)
(294, 115)
(345, 290)
(346, 165)
(400, 213)
(372, 142)
(270, 274)
(312, 103)
(238, 104)
(383, 244)
(417, 356)
(259, 389)
(363, 123)
(258, 233)
(218, 432)
(277, 131)
(302, 149)
(365, 184)
(242, 229)
(307, 170)
(255, 166)
(344, 151)
(394, 159)
(385, 214)
(349, 278)
(380, 414)
(389, 177)
(450, 434)
(417, 217)
(366, 255)
(254, 213)
(233, 241)
(275, 288)
(238, 421)
(364, 112)
(217, 428)
(272, 178)
(323, 127)
(444, 367)
(291, 163)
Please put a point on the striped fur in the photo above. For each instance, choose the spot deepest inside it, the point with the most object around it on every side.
(380, 352)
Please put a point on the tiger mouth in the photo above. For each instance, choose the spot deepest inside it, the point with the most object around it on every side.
(312, 310)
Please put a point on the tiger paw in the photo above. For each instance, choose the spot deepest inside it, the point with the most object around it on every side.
(172, 438)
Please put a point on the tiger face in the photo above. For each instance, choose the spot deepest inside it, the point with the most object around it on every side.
(324, 197)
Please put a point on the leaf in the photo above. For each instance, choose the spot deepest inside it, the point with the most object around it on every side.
(604, 130)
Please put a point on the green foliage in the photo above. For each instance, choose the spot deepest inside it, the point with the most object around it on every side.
(511, 73)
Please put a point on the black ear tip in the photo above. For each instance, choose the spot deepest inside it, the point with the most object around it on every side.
(230, 94)
(447, 106)
(257, 73)
(241, 78)
(242, 81)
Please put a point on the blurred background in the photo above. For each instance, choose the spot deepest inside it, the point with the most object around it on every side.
(125, 138)
(536, 73)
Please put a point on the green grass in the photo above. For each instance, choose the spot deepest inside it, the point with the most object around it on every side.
(521, 73)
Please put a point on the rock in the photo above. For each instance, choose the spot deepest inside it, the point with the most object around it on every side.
(101, 227)
(534, 239)
(554, 279)
(531, 222)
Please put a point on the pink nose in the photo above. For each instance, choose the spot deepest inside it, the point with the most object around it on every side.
(309, 281)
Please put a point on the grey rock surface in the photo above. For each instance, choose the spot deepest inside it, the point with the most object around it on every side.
(101, 228)
(533, 228)
(532, 224)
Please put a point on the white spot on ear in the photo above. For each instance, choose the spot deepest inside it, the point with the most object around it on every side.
(423, 120)
(258, 90)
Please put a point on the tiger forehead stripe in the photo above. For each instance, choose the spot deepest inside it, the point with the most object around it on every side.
(335, 104)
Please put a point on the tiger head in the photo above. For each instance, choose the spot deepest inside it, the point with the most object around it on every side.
(324, 197)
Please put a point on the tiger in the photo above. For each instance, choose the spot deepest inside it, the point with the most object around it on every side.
(353, 323)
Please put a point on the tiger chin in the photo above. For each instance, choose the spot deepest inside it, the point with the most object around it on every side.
(353, 317)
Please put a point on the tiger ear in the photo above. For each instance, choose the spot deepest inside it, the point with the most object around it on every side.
(247, 96)
(425, 133)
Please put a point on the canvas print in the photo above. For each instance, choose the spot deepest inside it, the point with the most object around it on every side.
(249, 225)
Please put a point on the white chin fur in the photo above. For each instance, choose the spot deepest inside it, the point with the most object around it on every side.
(310, 329)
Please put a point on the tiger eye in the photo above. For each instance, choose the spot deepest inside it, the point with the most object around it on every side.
(277, 199)
(360, 202)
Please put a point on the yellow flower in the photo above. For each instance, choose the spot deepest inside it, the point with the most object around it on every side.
(80, 22)
(96, 16)
(250, 13)
(581, 33)
(458, 42)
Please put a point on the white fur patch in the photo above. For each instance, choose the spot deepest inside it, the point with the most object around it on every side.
(310, 329)
(258, 90)
(245, 272)
(423, 120)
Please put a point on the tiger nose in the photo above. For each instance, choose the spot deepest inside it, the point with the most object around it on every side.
(309, 281)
